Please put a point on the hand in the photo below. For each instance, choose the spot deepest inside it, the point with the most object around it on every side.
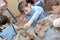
(23, 19)
(26, 26)
(50, 12)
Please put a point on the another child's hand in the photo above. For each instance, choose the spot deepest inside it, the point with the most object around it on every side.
(50, 12)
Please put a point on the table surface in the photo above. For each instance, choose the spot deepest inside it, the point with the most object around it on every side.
(31, 31)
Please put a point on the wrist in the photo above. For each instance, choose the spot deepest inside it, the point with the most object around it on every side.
(30, 22)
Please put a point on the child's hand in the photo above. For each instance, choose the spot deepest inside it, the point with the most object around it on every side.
(50, 12)
(23, 19)
(26, 26)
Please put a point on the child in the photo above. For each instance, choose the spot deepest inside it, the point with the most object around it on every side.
(33, 13)
(54, 32)
(3, 5)
(7, 30)
(54, 7)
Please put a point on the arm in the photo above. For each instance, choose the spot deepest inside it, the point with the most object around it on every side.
(27, 25)
(50, 19)
(51, 12)
(34, 17)
(17, 28)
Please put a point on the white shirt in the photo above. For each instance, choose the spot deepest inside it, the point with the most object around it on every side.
(56, 22)
(2, 3)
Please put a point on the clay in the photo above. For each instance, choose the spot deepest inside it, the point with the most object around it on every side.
(40, 31)
(27, 35)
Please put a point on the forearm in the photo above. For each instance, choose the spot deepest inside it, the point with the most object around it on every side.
(19, 28)
(50, 19)
(30, 22)
(16, 28)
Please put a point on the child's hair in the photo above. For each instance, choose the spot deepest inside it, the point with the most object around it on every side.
(4, 20)
(21, 5)
(50, 3)
(30, 1)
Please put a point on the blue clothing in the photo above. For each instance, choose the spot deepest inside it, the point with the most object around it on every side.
(37, 13)
(39, 3)
(8, 32)
(52, 34)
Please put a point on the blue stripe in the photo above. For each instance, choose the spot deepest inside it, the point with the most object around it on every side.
(1, 37)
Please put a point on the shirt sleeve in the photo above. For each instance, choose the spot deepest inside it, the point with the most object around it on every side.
(36, 15)
(1, 36)
(2, 3)
(56, 22)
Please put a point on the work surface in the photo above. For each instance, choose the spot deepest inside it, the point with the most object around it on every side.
(31, 31)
